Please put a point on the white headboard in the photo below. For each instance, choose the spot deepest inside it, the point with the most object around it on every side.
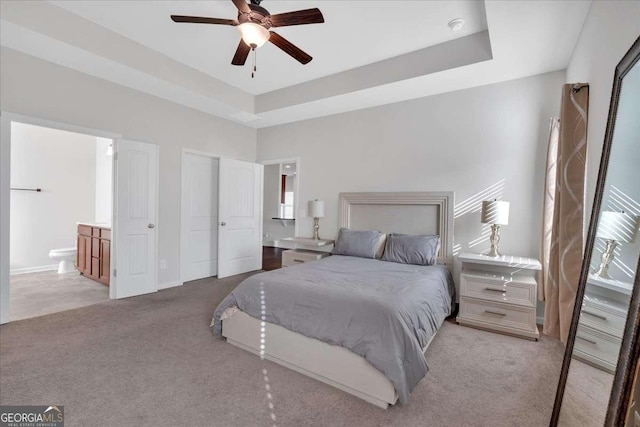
(420, 212)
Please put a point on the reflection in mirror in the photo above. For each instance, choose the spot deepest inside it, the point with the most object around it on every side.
(601, 322)
(279, 203)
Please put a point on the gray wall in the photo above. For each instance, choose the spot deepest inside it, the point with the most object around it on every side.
(609, 31)
(483, 142)
(40, 89)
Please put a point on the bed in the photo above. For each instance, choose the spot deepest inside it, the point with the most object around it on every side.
(361, 325)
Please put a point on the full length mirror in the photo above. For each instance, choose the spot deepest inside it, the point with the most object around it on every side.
(611, 259)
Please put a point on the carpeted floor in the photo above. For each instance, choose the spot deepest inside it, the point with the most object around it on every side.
(152, 361)
(586, 396)
(37, 294)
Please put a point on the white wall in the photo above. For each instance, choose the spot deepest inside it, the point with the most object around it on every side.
(104, 181)
(483, 142)
(37, 88)
(62, 164)
(609, 31)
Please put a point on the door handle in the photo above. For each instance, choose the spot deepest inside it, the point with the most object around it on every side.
(222, 224)
(151, 226)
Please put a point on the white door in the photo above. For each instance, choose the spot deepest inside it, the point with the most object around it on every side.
(136, 213)
(199, 216)
(240, 217)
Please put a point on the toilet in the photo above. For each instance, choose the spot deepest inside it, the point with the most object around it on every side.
(65, 258)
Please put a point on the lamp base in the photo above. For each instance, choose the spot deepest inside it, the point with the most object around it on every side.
(607, 257)
(316, 228)
(495, 240)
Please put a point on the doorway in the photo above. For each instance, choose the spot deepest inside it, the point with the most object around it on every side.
(60, 186)
(280, 205)
(131, 210)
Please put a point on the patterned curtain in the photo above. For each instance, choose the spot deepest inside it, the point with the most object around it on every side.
(563, 217)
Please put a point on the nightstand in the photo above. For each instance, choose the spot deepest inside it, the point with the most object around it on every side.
(300, 256)
(499, 294)
(602, 321)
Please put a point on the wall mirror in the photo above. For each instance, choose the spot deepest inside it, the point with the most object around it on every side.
(600, 358)
(280, 200)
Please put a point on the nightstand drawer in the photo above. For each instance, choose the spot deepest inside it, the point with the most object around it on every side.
(494, 288)
(300, 256)
(600, 317)
(597, 348)
(499, 314)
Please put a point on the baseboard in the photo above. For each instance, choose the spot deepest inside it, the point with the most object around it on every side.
(168, 285)
(38, 269)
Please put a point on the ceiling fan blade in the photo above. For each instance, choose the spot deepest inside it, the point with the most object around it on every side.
(299, 17)
(241, 54)
(242, 6)
(202, 20)
(290, 48)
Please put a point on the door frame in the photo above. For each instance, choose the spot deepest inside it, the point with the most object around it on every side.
(296, 187)
(6, 117)
(183, 206)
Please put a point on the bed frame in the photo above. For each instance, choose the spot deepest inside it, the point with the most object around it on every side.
(398, 212)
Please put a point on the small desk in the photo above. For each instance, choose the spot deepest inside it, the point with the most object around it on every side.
(294, 256)
(308, 241)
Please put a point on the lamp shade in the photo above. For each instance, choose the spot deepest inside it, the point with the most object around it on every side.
(316, 208)
(619, 226)
(254, 35)
(495, 212)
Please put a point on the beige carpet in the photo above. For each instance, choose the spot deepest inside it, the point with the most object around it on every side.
(151, 361)
(586, 396)
(37, 294)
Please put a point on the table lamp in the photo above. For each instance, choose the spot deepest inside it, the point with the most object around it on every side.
(614, 228)
(496, 213)
(316, 210)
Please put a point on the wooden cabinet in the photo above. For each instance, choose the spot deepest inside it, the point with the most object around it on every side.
(94, 252)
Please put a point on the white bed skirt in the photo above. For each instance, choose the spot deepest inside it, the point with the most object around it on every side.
(333, 365)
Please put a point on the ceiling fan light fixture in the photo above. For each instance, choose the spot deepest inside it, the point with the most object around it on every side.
(254, 35)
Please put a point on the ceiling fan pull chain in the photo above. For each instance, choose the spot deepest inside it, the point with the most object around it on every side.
(254, 63)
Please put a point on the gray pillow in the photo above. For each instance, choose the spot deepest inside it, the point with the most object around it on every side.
(363, 244)
(407, 249)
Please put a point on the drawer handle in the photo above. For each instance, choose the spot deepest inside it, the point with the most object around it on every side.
(587, 340)
(502, 291)
(495, 312)
(298, 260)
(596, 315)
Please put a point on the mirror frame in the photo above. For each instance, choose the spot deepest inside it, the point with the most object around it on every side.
(630, 347)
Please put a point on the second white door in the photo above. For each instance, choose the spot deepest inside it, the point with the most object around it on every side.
(240, 217)
(200, 216)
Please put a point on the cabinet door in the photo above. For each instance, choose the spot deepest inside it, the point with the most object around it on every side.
(105, 261)
(87, 255)
(84, 255)
(80, 264)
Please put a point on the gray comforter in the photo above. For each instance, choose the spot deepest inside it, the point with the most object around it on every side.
(383, 311)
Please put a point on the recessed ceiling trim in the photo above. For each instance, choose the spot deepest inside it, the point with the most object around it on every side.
(35, 44)
(445, 56)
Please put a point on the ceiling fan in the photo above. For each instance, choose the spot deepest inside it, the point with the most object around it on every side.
(254, 23)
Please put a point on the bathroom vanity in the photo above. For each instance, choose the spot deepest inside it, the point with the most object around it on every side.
(94, 252)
